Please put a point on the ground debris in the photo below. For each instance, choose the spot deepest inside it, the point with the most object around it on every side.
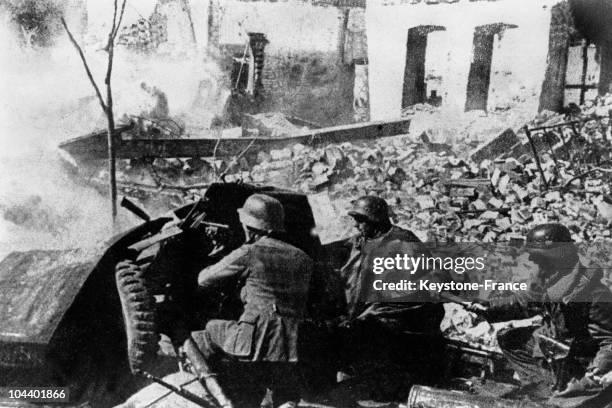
(442, 190)
(436, 188)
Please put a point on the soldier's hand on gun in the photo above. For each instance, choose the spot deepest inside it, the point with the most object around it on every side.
(476, 307)
(217, 250)
(604, 379)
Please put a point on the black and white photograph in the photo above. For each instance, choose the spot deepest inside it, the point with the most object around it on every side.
(306, 203)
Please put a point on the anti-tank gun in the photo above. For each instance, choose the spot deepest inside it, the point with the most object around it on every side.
(157, 276)
(65, 323)
(151, 306)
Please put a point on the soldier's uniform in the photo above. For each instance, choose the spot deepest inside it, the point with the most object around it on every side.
(275, 278)
(416, 313)
(577, 311)
(390, 338)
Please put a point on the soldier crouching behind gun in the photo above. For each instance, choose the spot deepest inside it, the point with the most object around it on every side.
(382, 340)
(275, 278)
(571, 352)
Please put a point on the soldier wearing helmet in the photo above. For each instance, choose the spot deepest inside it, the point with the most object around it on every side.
(371, 215)
(391, 334)
(378, 237)
(274, 278)
(551, 248)
(575, 339)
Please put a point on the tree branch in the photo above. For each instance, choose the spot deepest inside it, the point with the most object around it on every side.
(84, 60)
(119, 21)
(109, 108)
(110, 47)
(112, 31)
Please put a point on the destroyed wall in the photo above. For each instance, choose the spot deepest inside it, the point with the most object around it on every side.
(304, 74)
(519, 57)
(162, 44)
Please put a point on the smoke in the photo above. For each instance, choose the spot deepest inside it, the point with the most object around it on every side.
(47, 98)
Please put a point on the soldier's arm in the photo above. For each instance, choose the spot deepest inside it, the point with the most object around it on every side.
(600, 328)
(232, 266)
(514, 305)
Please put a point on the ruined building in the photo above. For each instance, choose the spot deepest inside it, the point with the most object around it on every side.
(297, 57)
(486, 55)
(338, 61)
(304, 54)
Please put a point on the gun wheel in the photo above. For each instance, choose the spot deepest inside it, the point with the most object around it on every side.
(138, 306)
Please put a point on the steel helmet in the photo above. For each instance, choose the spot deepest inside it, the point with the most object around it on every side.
(262, 212)
(550, 240)
(371, 208)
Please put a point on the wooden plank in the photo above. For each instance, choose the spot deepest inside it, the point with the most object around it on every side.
(94, 146)
(496, 147)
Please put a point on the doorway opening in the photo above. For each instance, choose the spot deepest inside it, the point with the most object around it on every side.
(415, 87)
(479, 78)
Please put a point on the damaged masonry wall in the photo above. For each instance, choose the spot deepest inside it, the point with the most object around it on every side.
(304, 73)
(307, 69)
(518, 62)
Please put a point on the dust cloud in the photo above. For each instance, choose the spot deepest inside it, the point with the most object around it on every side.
(46, 99)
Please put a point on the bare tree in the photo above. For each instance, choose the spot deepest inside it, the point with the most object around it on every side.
(107, 105)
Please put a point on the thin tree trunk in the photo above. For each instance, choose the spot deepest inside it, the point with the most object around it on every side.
(112, 167)
(110, 118)
(107, 106)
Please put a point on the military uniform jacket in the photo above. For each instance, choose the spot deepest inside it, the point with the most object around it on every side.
(276, 279)
(577, 309)
(416, 312)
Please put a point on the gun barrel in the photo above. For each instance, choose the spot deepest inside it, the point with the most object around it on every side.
(215, 224)
(555, 348)
(134, 209)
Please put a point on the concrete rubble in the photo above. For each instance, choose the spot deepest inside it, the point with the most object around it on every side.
(468, 191)
(491, 200)
(449, 196)
(462, 194)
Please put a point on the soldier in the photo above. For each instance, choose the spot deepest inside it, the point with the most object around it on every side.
(575, 339)
(386, 333)
(275, 278)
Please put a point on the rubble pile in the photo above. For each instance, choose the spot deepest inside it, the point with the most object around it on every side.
(477, 191)
(466, 129)
(446, 197)
(271, 124)
(459, 324)
(463, 326)
(443, 192)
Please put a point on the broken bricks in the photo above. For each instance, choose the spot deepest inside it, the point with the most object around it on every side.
(496, 147)
(427, 185)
